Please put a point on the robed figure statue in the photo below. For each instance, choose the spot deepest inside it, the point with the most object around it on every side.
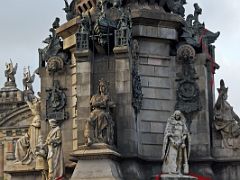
(55, 153)
(176, 145)
(226, 120)
(99, 127)
(26, 145)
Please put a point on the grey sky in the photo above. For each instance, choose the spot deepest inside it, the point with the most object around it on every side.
(25, 23)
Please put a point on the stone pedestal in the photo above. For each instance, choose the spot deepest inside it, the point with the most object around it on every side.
(177, 177)
(35, 170)
(10, 85)
(97, 162)
(23, 172)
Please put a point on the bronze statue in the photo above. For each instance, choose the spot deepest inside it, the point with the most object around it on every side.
(70, 10)
(99, 127)
(176, 145)
(225, 119)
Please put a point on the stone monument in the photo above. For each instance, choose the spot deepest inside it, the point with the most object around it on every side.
(111, 76)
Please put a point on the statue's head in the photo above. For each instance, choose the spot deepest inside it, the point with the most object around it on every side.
(52, 123)
(178, 115)
(34, 99)
(26, 73)
(223, 90)
(8, 66)
(198, 10)
(40, 139)
(102, 87)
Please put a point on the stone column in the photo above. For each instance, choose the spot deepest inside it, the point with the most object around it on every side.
(1, 159)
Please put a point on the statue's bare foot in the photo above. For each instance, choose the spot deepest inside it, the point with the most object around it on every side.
(89, 142)
(18, 163)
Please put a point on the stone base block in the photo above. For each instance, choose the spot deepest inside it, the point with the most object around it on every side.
(27, 176)
(100, 169)
(98, 161)
(18, 171)
(177, 177)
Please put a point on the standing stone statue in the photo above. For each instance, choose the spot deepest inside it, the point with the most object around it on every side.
(35, 107)
(176, 145)
(26, 145)
(226, 120)
(99, 127)
(28, 79)
(10, 72)
(55, 154)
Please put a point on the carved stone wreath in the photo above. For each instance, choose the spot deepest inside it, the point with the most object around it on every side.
(55, 64)
(185, 51)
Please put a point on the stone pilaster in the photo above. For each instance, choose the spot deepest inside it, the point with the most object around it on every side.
(125, 118)
(84, 90)
(1, 160)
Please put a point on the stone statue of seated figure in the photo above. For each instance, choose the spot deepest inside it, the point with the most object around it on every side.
(99, 126)
(226, 120)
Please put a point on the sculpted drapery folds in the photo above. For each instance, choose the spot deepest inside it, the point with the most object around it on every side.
(99, 127)
(226, 120)
(23, 153)
(55, 154)
(26, 145)
(176, 145)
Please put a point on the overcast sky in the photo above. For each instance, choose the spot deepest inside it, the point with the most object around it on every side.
(25, 23)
